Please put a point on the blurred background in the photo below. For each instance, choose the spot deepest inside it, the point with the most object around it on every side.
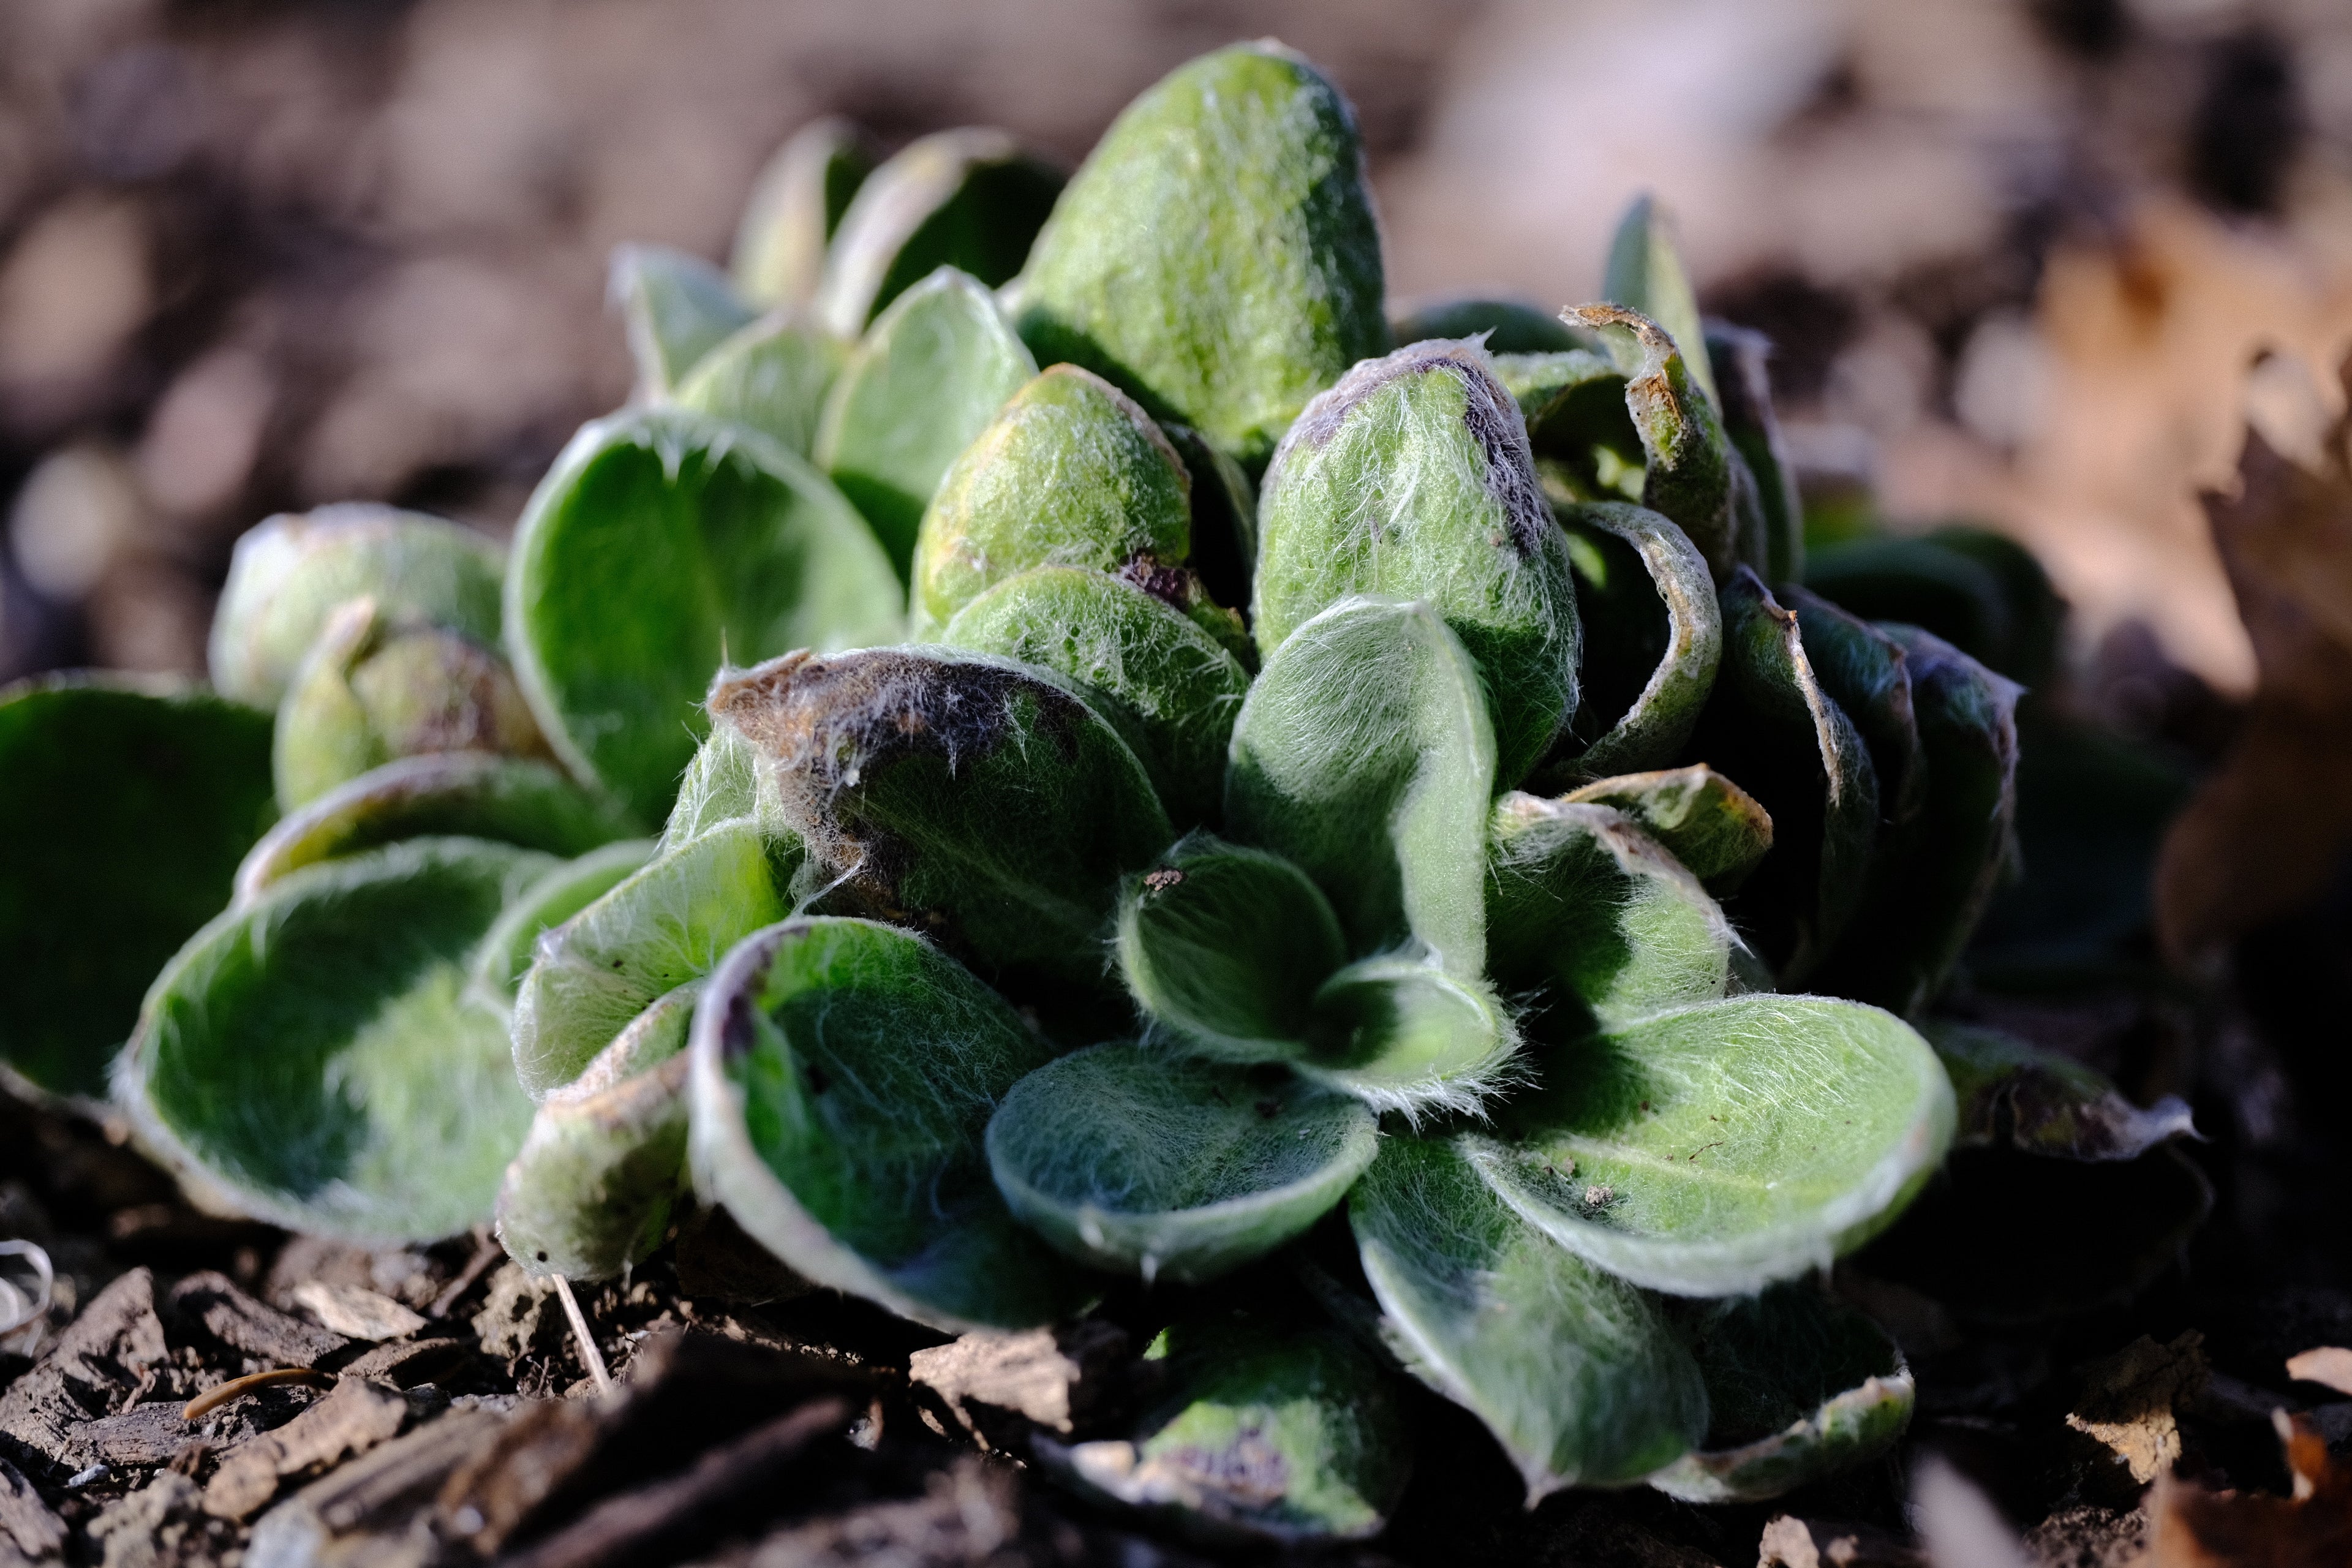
(2017, 255)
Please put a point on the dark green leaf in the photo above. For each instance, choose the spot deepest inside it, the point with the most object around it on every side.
(1125, 1159)
(1743, 384)
(661, 546)
(772, 375)
(314, 1060)
(1513, 326)
(1070, 473)
(795, 206)
(1978, 591)
(1719, 1147)
(289, 574)
(1798, 1387)
(2039, 1102)
(1288, 1437)
(1217, 254)
(1654, 636)
(928, 379)
(1178, 691)
(1584, 902)
(1864, 671)
(677, 306)
(469, 793)
(1224, 522)
(970, 199)
(842, 1078)
(126, 807)
(1710, 824)
(1689, 464)
(1574, 1371)
(977, 800)
(1579, 427)
(1411, 479)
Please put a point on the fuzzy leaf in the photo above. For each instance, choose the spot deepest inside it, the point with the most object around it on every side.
(721, 784)
(678, 309)
(371, 691)
(506, 952)
(1654, 638)
(1743, 386)
(1403, 1035)
(842, 1078)
(1575, 1372)
(2039, 1102)
(1864, 671)
(1689, 464)
(661, 546)
(591, 1191)
(288, 575)
(470, 793)
(970, 199)
(125, 807)
(975, 799)
(1798, 1387)
(928, 379)
(1363, 756)
(1411, 479)
(1071, 473)
(1707, 822)
(1579, 427)
(1719, 1147)
(1931, 880)
(665, 925)
(1179, 691)
(1286, 1437)
(1217, 254)
(1644, 274)
(1225, 947)
(1512, 326)
(313, 1059)
(1770, 725)
(795, 206)
(1183, 1169)
(1580, 900)
(772, 375)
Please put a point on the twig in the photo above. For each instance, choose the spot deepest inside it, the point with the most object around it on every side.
(212, 1399)
(582, 1338)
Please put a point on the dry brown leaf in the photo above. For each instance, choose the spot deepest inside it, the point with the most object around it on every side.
(2193, 1528)
(2328, 1364)
(2129, 1398)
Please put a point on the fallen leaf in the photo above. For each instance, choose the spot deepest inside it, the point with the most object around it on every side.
(2127, 1401)
(1792, 1543)
(2329, 1364)
(2193, 1528)
(1052, 1376)
(354, 1313)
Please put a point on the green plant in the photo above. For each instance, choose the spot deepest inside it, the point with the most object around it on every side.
(1328, 776)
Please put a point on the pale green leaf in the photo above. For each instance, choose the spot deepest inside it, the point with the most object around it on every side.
(1710, 824)
(1645, 274)
(1403, 1035)
(507, 951)
(1512, 326)
(678, 308)
(796, 203)
(772, 375)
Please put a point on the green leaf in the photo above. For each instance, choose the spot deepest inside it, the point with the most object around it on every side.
(1579, 900)
(507, 951)
(1717, 1147)
(372, 691)
(1125, 1159)
(928, 379)
(592, 1189)
(1411, 479)
(970, 199)
(772, 375)
(721, 784)
(1862, 670)
(1979, 591)
(1770, 725)
(1799, 1387)
(659, 547)
(1071, 473)
(1225, 947)
(467, 793)
(1932, 879)
(1579, 427)
(1743, 386)
(1363, 756)
(1512, 326)
(1224, 525)
(1286, 1437)
(288, 574)
(126, 806)
(2039, 1102)
(1575, 1372)
(1654, 638)
(1644, 274)
(977, 800)
(1216, 256)
(842, 1078)
(1181, 691)
(1707, 822)
(795, 205)
(678, 308)
(1689, 464)
(664, 926)
(1401, 1034)
(313, 1059)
